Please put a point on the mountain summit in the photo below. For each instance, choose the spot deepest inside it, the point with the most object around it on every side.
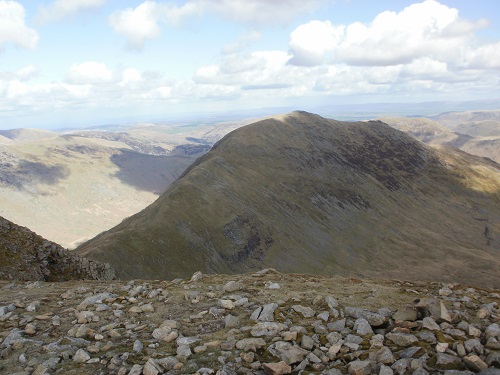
(301, 193)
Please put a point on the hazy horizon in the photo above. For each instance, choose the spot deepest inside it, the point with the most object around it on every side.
(79, 63)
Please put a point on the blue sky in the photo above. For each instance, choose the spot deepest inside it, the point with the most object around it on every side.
(88, 62)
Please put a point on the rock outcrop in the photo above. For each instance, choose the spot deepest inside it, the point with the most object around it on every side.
(27, 256)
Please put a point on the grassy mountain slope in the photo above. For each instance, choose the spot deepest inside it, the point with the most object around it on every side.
(302, 193)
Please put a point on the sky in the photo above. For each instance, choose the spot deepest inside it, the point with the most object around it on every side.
(66, 63)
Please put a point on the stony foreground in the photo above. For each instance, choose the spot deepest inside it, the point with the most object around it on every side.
(262, 323)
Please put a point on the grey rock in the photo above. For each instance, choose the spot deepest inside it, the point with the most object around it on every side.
(490, 371)
(413, 352)
(493, 359)
(493, 330)
(420, 371)
(492, 343)
(250, 344)
(166, 334)
(135, 370)
(430, 324)
(461, 350)
(226, 304)
(287, 352)
(362, 327)
(332, 371)
(359, 367)
(377, 341)
(313, 358)
(402, 339)
(98, 298)
(374, 319)
(168, 363)
(427, 337)
(138, 346)
(232, 286)
(473, 346)
(385, 356)
(337, 325)
(4, 310)
(81, 356)
(279, 368)
(475, 363)
(353, 339)
(184, 351)
(334, 337)
(264, 313)
(231, 321)
(444, 360)
(325, 315)
(307, 342)
(187, 341)
(197, 276)
(151, 367)
(405, 314)
(272, 286)
(306, 312)
(331, 302)
(401, 365)
(52, 362)
(267, 329)
(385, 370)
(435, 308)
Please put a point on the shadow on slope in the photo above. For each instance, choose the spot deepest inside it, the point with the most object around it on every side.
(19, 175)
(152, 173)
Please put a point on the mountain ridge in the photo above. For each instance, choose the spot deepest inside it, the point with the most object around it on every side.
(298, 191)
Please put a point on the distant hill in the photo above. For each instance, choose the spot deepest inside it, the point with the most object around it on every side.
(484, 126)
(301, 193)
(453, 120)
(27, 134)
(467, 137)
(69, 187)
(24, 255)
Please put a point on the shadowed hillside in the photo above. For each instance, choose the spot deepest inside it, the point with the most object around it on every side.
(300, 192)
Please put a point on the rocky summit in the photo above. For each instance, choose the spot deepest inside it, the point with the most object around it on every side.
(24, 255)
(256, 323)
(301, 193)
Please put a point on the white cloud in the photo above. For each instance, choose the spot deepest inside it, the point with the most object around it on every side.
(143, 22)
(130, 76)
(257, 68)
(60, 9)
(309, 42)
(13, 28)
(258, 12)
(422, 30)
(484, 57)
(241, 42)
(27, 72)
(89, 72)
(137, 24)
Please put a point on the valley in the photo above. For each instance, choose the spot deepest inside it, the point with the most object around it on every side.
(69, 187)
